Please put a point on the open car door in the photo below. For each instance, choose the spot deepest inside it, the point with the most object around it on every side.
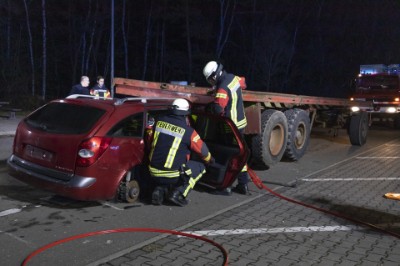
(226, 145)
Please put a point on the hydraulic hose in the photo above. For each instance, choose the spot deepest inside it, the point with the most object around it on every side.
(257, 181)
(124, 230)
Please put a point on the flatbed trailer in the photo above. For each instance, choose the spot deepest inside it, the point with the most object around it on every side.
(278, 124)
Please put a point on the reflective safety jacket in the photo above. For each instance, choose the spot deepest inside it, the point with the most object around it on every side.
(173, 140)
(228, 99)
(100, 91)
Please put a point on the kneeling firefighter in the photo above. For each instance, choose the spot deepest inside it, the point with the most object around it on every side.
(170, 165)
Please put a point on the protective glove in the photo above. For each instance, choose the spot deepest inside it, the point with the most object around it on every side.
(211, 161)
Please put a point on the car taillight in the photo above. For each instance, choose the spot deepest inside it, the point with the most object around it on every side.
(91, 149)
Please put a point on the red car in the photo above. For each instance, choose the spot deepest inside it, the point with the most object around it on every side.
(85, 148)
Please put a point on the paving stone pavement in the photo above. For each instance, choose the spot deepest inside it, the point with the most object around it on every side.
(272, 231)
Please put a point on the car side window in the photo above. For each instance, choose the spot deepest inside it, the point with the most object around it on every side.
(131, 126)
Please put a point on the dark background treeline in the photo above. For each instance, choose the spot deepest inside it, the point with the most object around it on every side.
(310, 47)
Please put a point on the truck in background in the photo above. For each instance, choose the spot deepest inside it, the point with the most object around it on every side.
(278, 124)
(379, 84)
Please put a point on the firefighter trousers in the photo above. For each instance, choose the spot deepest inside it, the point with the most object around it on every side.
(190, 174)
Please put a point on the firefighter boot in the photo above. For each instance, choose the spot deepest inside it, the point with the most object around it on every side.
(241, 189)
(157, 198)
(177, 198)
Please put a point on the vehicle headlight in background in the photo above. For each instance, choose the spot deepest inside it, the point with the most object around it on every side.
(391, 110)
(355, 108)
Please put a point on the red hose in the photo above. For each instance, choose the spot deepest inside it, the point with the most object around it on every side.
(124, 230)
(257, 181)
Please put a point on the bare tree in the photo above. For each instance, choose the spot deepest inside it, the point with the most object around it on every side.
(44, 73)
(92, 34)
(225, 24)
(8, 50)
(126, 59)
(147, 40)
(188, 41)
(30, 46)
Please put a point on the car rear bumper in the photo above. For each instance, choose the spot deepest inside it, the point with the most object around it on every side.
(61, 183)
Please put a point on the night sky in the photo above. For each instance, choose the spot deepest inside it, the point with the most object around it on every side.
(310, 47)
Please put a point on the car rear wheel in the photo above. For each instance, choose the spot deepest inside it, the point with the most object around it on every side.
(128, 191)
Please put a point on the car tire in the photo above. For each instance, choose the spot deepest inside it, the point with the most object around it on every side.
(128, 191)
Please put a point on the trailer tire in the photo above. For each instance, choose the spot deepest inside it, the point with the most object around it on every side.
(358, 128)
(269, 146)
(298, 133)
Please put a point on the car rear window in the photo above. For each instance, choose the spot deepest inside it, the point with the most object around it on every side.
(62, 118)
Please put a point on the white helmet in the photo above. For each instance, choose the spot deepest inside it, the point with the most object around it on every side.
(181, 106)
(209, 69)
(212, 71)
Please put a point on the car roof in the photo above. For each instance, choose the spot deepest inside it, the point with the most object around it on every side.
(114, 102)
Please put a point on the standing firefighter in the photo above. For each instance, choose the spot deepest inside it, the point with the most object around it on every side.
(229, 102)
(170, 164)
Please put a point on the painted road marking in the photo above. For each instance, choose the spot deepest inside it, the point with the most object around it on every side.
(10, 211)
(110, 205)
(350, 179)
(277, 230)
(15, 237)
(15, 210)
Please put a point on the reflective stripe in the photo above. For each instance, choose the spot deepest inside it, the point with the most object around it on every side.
(164, 173)
(153, 144)
(234, 107)
(233, 87)
(244, 169)
(192, 182)
(241, 124)
(195, 139)
(170, 130)
(221, 95)
(172, 152)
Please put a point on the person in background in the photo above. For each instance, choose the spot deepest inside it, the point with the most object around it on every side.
(82, 87)
(100, 89)
(171, 167)
(228, 102)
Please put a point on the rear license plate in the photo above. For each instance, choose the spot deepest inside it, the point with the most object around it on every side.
(38, 153)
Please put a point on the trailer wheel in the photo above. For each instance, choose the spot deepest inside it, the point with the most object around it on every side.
(358, 128)
(269, 146)
(298, 133)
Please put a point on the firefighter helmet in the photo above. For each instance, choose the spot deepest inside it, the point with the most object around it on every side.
(180, 107)
(212, 71)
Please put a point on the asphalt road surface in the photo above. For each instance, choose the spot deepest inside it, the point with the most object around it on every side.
(260, 229)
